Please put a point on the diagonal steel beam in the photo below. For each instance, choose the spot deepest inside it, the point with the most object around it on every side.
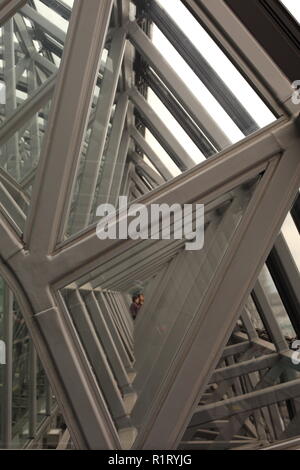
(178, 87)
(153, 157)
(262, 395)
(183, 118)
(244, 51)
(27, 44)
(112, 152)
(255, 400)
(207, 178)
(146, 169)
(14, 188)
(119, 170)
(11, 207)
(266, 313)
(60, 7)
(46, 25)
(8, 8)
(244, 367)
(91, 166)
(67, 123)
(11, 154)
(202, 69)
(140, 184)
(285, 274)
(27, 109)
(223, 290)
(159, 129)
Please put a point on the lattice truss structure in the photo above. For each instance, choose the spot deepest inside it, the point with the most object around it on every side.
(208, 363)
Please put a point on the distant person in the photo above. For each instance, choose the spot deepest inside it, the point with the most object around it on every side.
(135, 306)
(137, 303)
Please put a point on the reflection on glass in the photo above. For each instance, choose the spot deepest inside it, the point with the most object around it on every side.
(276, 303)
(29, 63)
(291, 236)
(23, 382)
(41, 392)
(20, 380)
(16, 198)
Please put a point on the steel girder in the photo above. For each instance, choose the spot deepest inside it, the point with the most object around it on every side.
(73, 291)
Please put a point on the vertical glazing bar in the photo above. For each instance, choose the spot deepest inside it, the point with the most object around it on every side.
(12, 148)
(67, 123)
(35, 147)
(8, 338)
(106, 178)
(32, 391)
(48, 397)
(8, 8)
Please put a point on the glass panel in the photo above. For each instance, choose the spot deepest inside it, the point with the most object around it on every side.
(225, 96)
(86, 188)
(47, 9)
(41, 393)
(2, 361)
(291, 236)
(21, 373)
(254, 316)
(220, 64)
(251, 399)
(173, 125)
(29, 387)
(16, 197)
(276, 304)
(108, 304)
(32, 44)
(163, 155)
(242, 419)
(293, 7)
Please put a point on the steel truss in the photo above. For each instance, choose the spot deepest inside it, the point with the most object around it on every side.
(207, 364)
